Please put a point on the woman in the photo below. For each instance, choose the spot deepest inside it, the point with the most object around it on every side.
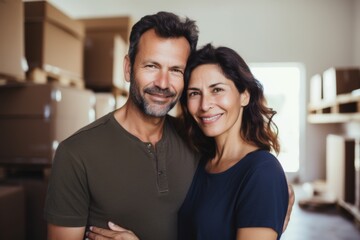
(239, 190)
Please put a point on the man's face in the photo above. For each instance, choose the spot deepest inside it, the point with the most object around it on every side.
(156, 79)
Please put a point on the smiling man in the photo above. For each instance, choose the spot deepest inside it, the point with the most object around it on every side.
(130, 167)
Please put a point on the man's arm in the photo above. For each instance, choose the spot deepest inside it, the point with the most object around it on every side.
(65, 233)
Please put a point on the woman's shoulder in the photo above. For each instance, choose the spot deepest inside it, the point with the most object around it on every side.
(263, 158)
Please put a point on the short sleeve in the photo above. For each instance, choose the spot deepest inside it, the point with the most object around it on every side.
(67, 197)
(264, 199)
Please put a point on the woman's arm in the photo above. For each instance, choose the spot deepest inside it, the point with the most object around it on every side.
(256, 233)
(65, 233)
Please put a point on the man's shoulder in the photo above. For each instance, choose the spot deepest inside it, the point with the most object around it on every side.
(91, 128)
(177, 125)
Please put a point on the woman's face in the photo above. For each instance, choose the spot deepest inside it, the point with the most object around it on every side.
(214, 101)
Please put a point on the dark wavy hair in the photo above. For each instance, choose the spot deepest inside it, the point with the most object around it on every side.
(257, 126)
(166, 25)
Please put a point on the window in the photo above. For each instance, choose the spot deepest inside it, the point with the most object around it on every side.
(282, 90)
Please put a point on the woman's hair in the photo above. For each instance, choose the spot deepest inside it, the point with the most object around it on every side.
(257, 126)
(166, 25)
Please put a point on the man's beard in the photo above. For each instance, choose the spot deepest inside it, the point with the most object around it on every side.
(151, 109)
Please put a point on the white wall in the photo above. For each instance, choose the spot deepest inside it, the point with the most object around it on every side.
(317, 33)
(356, 28)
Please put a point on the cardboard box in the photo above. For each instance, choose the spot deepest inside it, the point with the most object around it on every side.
(12, 209)
(117, 25)
(105, 103)
(12, 40)
(340, 81)
(34, 118)
(104, 33)
(316, 92)
(103, 61)
(53, 41)
(34, 190)
(340, 167)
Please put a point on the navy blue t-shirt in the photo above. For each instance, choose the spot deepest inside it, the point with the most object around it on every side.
(252, 193)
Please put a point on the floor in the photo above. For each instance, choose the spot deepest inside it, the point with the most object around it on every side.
(325, 224)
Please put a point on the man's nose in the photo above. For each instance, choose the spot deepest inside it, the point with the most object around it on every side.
(162, 80)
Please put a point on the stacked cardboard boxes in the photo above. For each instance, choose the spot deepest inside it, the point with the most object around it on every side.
(105, 48)
(11, 41)
(53, 41)
(34, 118)
(12, 209)
(103, 61)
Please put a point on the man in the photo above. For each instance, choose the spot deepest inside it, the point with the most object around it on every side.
(130, 167)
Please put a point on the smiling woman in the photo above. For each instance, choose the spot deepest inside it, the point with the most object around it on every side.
(239, 190)
(215, 102)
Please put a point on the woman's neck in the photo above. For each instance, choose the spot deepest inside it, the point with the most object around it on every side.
(229, 151)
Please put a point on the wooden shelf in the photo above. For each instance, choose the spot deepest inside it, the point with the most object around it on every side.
(333, 117)
(345, 108)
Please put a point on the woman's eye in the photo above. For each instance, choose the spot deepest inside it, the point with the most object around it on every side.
(150, 66)
(192, 94)
(216, 90)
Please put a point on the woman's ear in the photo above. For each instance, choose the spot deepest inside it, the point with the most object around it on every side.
(244, 98)
(127, 68)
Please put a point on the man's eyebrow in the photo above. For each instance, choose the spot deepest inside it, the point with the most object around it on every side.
(149, 61)
(179, 67)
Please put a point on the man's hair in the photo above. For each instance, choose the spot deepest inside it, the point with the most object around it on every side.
(166, 25)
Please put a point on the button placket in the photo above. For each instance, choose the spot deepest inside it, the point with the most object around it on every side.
(149, 148)
(161, 172)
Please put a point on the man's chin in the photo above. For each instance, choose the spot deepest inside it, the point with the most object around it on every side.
(157, 111)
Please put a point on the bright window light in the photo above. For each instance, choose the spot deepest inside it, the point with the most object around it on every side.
(282, 90)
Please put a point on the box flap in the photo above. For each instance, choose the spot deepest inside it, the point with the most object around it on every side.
(44, 11)
(119, 25)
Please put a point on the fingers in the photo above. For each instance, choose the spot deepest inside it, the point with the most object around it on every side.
(115, 232)
(115, 227)
(100, 233)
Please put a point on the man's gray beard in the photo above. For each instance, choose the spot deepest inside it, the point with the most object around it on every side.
(143, 105)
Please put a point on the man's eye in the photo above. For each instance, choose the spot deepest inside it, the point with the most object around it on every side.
(176, 70)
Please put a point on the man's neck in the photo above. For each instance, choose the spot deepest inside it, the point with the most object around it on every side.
(139, 124)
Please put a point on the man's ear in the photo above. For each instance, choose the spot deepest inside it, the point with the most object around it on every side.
(244, 98)
(127, 68)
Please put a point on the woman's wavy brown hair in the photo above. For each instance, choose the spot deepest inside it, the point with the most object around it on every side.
(257, 126)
